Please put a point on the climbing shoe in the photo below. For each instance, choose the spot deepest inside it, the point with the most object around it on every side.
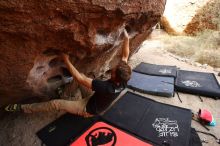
(13, 108)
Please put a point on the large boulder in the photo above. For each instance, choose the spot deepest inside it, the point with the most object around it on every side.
(32, 32)
(179, 15)
(208, 17)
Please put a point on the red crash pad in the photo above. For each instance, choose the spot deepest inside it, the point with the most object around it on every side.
(103, 134)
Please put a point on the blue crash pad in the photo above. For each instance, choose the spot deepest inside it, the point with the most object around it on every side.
(155, 85)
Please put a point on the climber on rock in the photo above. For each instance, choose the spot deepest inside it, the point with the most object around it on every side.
(105, 91)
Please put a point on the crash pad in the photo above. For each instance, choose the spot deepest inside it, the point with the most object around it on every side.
(155, 85)
(64, 129)
(198, 83)
(104, 134)
(156, 70)
(154, 121)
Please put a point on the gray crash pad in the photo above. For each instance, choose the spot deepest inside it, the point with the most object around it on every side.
(156, 85)
(156, 70)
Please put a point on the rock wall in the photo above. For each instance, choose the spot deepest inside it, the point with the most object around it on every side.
(33, 31)
(179, 13)
(208, 17)
(190, 16)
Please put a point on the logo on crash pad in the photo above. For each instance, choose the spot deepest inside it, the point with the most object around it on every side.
(101, 136)
(165, 71)
(166, 127)
(193, 84)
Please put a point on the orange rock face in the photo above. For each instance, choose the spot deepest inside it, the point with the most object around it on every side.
(31, 32)
(206, 18)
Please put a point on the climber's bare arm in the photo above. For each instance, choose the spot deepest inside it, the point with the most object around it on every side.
(125, 49)
(81, 78)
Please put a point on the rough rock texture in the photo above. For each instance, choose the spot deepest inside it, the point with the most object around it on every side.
(180, 13)
(33, 31)
(208, 17)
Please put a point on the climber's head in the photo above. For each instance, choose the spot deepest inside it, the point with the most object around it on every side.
(121, 73)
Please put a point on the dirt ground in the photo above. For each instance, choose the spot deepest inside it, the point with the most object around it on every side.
(20, 129)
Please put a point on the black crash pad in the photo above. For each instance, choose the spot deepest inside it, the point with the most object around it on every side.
(194, 138)
(63, 130)
(156, 85)
(156, 70)
(151, 120)
(198, 83)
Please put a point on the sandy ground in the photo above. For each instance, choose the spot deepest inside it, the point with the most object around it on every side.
(20, 129)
